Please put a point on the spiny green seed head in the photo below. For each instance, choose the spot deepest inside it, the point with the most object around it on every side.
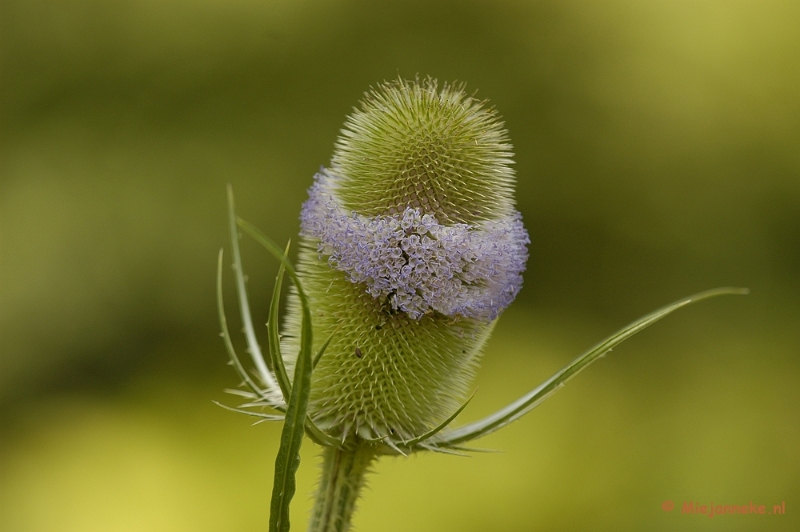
(410, 247)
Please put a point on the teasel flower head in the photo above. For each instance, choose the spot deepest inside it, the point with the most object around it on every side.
(410, 249)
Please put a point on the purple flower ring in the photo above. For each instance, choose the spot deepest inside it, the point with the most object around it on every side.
(416, 264)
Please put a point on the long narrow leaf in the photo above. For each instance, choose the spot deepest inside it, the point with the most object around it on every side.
(288, 459)
(244, 306)
(529, 401)
(274, 337)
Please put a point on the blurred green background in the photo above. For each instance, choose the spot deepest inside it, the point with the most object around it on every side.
(658, 154)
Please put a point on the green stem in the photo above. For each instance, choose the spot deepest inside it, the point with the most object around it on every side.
(343, 473)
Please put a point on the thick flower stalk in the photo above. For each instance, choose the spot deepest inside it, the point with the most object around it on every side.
(410, 248)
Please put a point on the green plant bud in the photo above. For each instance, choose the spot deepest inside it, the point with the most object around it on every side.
(410, 248)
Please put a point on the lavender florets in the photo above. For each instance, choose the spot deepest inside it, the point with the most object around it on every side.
(419, 265)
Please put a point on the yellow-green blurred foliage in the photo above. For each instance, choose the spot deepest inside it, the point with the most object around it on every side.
(658, 154)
